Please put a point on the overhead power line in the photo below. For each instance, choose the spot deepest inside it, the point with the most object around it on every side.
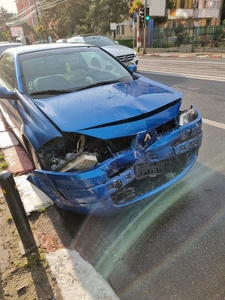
(24, 16)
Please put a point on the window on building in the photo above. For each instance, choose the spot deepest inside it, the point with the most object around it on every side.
(196, 3)
(122, 29)
(182, 4)
(204, 4)
(215, 4)
(118, 30)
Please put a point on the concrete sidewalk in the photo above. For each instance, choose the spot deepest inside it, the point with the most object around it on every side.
(154, 53)
(76, 278)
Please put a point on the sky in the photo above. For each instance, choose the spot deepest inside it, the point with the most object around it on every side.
(9, 5)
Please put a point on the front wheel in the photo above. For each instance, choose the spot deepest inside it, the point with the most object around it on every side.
(34, 158)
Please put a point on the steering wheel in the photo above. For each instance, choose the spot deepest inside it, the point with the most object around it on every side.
(84, 78)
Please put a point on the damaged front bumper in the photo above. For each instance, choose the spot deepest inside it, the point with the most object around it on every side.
(143, 173)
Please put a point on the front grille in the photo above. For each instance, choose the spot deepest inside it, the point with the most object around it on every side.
(126, 58)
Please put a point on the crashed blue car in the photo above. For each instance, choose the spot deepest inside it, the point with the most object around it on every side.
(101, 136)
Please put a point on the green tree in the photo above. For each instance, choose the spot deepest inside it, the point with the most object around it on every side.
(103, 12)
(4, 30)
(66, 19)
(180, 33)
(135, 7)
(223, 13)
(4, 16)
(161, 20)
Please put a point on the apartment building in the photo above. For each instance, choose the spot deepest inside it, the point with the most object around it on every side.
(195, 12)
(27, 9)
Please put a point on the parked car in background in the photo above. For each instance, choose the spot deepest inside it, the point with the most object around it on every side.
(101, 138)
(61, 41)
(40, 42)
(6, 45)
(125, 54)
(25, 40)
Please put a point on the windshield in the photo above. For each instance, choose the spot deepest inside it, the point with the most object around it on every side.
(99, 41)
(69, 69)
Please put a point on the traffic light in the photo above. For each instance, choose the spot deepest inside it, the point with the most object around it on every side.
(147, 16)
(142, 14)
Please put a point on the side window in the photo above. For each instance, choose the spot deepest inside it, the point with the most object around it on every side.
(7, 71)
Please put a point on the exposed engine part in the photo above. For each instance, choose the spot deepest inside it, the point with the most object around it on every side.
(64, 154)
(187, 116)
(75, 162)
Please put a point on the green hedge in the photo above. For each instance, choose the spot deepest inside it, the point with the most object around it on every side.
(127, 42)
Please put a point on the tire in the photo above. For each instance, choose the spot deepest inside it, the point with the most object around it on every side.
(34, 158)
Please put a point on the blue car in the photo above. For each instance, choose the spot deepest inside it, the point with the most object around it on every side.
(101, 136)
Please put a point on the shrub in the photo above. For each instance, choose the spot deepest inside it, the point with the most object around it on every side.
(127, 42)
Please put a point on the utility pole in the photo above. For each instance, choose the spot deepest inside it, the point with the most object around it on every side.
(144, 50)
(38, 19)
(138, 30)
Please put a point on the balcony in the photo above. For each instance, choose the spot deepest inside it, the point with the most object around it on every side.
(180, 14)
(204, 13)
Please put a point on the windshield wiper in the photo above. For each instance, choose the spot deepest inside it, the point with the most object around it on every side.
(98, 84)
(51, 92)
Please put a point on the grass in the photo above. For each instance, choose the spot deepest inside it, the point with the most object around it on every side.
(31, 260)
(3, 164)
(9, 219)
(42, 209)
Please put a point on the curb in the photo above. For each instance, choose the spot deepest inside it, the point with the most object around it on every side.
(76, 278)
(184, 55)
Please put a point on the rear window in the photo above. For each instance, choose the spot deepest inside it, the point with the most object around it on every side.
(99, 41)
(4, 47)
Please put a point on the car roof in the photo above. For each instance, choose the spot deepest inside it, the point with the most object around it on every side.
(5, 44)
(8, 43)
(91, 35)
(41, 47)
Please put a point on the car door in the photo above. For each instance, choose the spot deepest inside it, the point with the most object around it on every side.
(11, 109)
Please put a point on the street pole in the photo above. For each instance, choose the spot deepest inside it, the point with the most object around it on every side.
(144, 50)
(138, 31)
(38, 19)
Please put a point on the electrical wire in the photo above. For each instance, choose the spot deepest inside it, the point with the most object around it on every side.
(34, 9)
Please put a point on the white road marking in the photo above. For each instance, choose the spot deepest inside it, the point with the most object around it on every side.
(205, 62)
(213, 123)
(201, 77)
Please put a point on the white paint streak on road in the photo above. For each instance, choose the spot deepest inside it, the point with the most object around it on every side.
(201, 77)
(213, 123)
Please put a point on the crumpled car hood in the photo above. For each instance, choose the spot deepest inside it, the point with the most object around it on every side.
(118, 50)
(117, 109)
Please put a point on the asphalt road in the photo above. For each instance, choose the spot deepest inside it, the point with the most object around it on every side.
(171, 247)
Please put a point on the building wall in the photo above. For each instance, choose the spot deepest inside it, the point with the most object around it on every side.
(124, 30)
(203, 12)
(27, 6)
(183, 4)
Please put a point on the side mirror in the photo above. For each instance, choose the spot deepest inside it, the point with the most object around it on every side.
(132, 68)
(5, 94)
(116, 42)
